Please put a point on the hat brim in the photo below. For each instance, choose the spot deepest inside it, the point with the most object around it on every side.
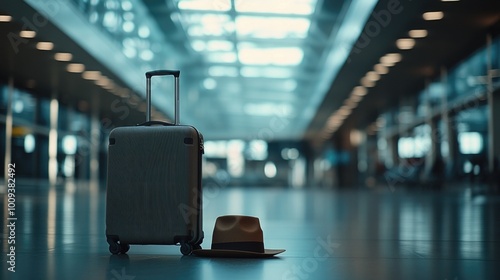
(217, 253)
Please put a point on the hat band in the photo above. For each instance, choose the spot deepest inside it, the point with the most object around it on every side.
(257, 247)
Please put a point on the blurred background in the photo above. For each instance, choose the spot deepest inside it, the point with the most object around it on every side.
(294, 94)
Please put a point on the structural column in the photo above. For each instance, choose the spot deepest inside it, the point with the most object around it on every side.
(494, 132)
(493, 117)
(95, 137)
(449, 134)
(53, 139)
(8, 132)
(392, 146)
(451, 139)
(433, 156)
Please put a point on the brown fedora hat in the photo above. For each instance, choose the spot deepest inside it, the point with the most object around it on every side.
(237, 237)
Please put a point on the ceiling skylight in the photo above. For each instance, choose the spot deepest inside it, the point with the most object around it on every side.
(212, 45)
(296, 7)
(272, 27)
(223, 71)
(266, 72)
(221, 57)
(208, 24)
(271, 56)
(205, 5)
(268, 109)
(253, 58)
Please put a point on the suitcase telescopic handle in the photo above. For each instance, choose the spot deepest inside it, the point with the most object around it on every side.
(176, 74)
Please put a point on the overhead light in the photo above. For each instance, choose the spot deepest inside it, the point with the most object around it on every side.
(28, 34)
(212, 45)
(275, 7)
(63, 56)
(359, 91)
(268, 109)
(335, 120)
(405, 43)
(387, 63)
(418, 33)
(127, 5)
(91, 75)
(219, 45)
(390, 59)
(350, 103)
(355, 98)
(75, 68)
(202, 5)
(266, 72)
(221, 57)
(147, 55)
(45, 46)
(103, 81)
(344, 111)
(110, 85)
(144, 31)
(198, 45)
(223, 71)
(433, 15)
(209, 83)
(356, 137)
(272, 27)
(334, 124)
(450, 0)
(381, 69)
(208, 24)
(372, 76)
(128, 26)
(271, 56)
(5, 18)
(367, 83)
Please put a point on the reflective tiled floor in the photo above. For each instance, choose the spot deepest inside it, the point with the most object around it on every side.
(397, 233)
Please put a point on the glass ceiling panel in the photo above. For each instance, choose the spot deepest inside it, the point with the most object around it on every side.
(223, 71)
(205, 5)
(272, 27)
(212, 45)
(208, 24)
(268, 109)
(271, 56)
(268, 72)
(296, 7)
(221, 57)
(249, 47)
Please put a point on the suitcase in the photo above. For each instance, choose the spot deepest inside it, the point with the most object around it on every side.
(153, 190)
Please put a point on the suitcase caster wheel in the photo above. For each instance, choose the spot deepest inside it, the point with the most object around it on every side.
(117, 248)
(124, 248)
(114, 248)
(186, 249)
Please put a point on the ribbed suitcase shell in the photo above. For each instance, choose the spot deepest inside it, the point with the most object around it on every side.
(154, 185)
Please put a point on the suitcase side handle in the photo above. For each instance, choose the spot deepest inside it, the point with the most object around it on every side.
(176, 74)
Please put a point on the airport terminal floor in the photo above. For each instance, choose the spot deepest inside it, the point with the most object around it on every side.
(360, 233)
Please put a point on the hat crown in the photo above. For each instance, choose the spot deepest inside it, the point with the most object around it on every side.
(237, 236)
(234, 228)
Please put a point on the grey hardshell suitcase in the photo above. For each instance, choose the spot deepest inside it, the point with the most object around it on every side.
(153, 192)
